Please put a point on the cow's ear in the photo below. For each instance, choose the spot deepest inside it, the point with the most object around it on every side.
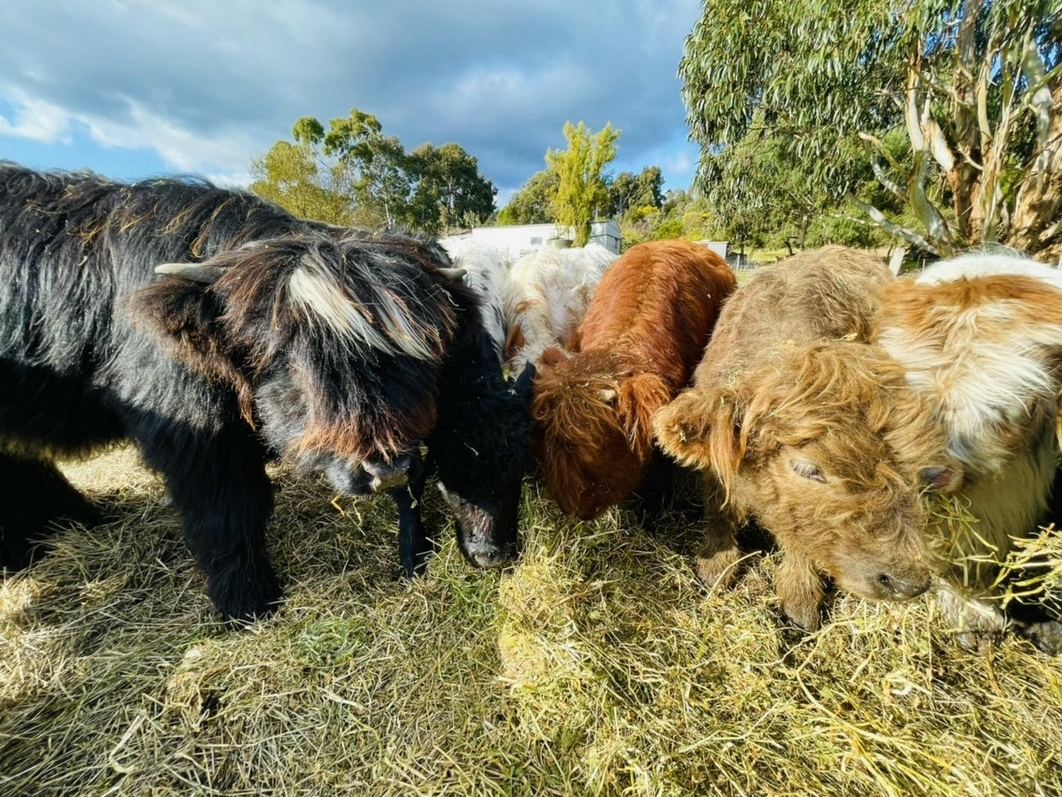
(183, 316)
(551, 357)
(700, 429)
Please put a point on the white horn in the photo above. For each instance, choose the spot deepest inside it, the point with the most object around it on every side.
(453, 273)
(196, 272)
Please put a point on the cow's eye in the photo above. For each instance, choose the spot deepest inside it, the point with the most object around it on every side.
(809, 470)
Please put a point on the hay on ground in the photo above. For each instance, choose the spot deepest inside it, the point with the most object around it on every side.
(597, 665)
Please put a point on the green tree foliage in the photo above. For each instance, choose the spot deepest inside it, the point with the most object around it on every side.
(582, 191)
(628, 190)
(974, 86)
(450, 192)
(680, 215)
(352, 173)
(380, 172)
(533, 203)
(765, 195)
(297, 177)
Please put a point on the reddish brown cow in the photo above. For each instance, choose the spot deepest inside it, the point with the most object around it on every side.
(644, 332)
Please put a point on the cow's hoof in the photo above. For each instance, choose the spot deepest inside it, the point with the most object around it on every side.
(720, 569)
(1046, 635)
(806, 616)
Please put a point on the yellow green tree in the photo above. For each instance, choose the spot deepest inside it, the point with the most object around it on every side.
(582, 184)
(296, 176)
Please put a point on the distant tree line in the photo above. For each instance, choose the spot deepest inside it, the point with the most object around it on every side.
(576, 188)
(936, 123)
(352, 173)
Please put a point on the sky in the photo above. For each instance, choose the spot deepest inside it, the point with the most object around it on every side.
(133, 89)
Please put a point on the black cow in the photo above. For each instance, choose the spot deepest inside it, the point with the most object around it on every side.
(267, 336)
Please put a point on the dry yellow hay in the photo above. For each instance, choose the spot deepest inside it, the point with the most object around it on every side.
(597, 665)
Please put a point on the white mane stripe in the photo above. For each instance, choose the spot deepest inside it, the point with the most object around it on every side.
(355, 323)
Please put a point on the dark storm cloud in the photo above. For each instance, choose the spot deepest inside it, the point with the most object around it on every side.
(209, 84)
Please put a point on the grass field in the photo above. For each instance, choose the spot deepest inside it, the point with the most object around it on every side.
(596, 665)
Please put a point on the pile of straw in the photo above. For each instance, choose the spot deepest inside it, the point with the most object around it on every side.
(596, 665)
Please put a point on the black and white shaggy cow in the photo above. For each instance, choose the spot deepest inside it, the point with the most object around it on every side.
(486, 272)
(270, 336)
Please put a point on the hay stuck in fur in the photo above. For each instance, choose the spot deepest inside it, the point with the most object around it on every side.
(1031, 571)
(596, 665)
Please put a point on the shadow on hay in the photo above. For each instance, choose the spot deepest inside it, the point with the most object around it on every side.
(133, 558)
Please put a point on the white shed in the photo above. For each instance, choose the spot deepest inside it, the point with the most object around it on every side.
(514, 241)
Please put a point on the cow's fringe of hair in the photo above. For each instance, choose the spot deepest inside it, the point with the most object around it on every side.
(352, 288)
(485, 272)
(592, 393)
(804, 396)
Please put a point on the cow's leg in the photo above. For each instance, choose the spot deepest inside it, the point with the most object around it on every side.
(219, 484)
(36, 497)
(980, 623)
(716, 563)
(1054, 501)
(800, 591)
(1036, 622)
(414, 543)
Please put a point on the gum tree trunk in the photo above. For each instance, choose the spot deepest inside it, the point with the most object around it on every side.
(1037, 219)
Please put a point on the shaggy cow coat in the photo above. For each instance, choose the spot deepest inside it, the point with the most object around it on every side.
(797, 421)
(644, 332)
(980, 337)
(268, 336)
(485, 505)
(546, 297)
(486, 273)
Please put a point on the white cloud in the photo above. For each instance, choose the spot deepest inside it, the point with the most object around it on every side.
(225, 152)
(680, 164)
(37, 120)
(222, 157)
(209, 85)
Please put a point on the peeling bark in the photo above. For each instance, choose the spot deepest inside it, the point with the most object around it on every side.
(1037, 218)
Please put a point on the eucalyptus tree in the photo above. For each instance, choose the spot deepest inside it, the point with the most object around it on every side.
(533, 203)
(974, 85)
(644, 190)
(351, 173)
(300, 179)
(450, 190)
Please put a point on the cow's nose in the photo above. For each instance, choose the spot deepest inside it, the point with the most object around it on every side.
(903, 588)
(486, 554)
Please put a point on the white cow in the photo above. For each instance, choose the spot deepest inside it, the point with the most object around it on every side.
(546, 297)
(486, 272)
(980, 335)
